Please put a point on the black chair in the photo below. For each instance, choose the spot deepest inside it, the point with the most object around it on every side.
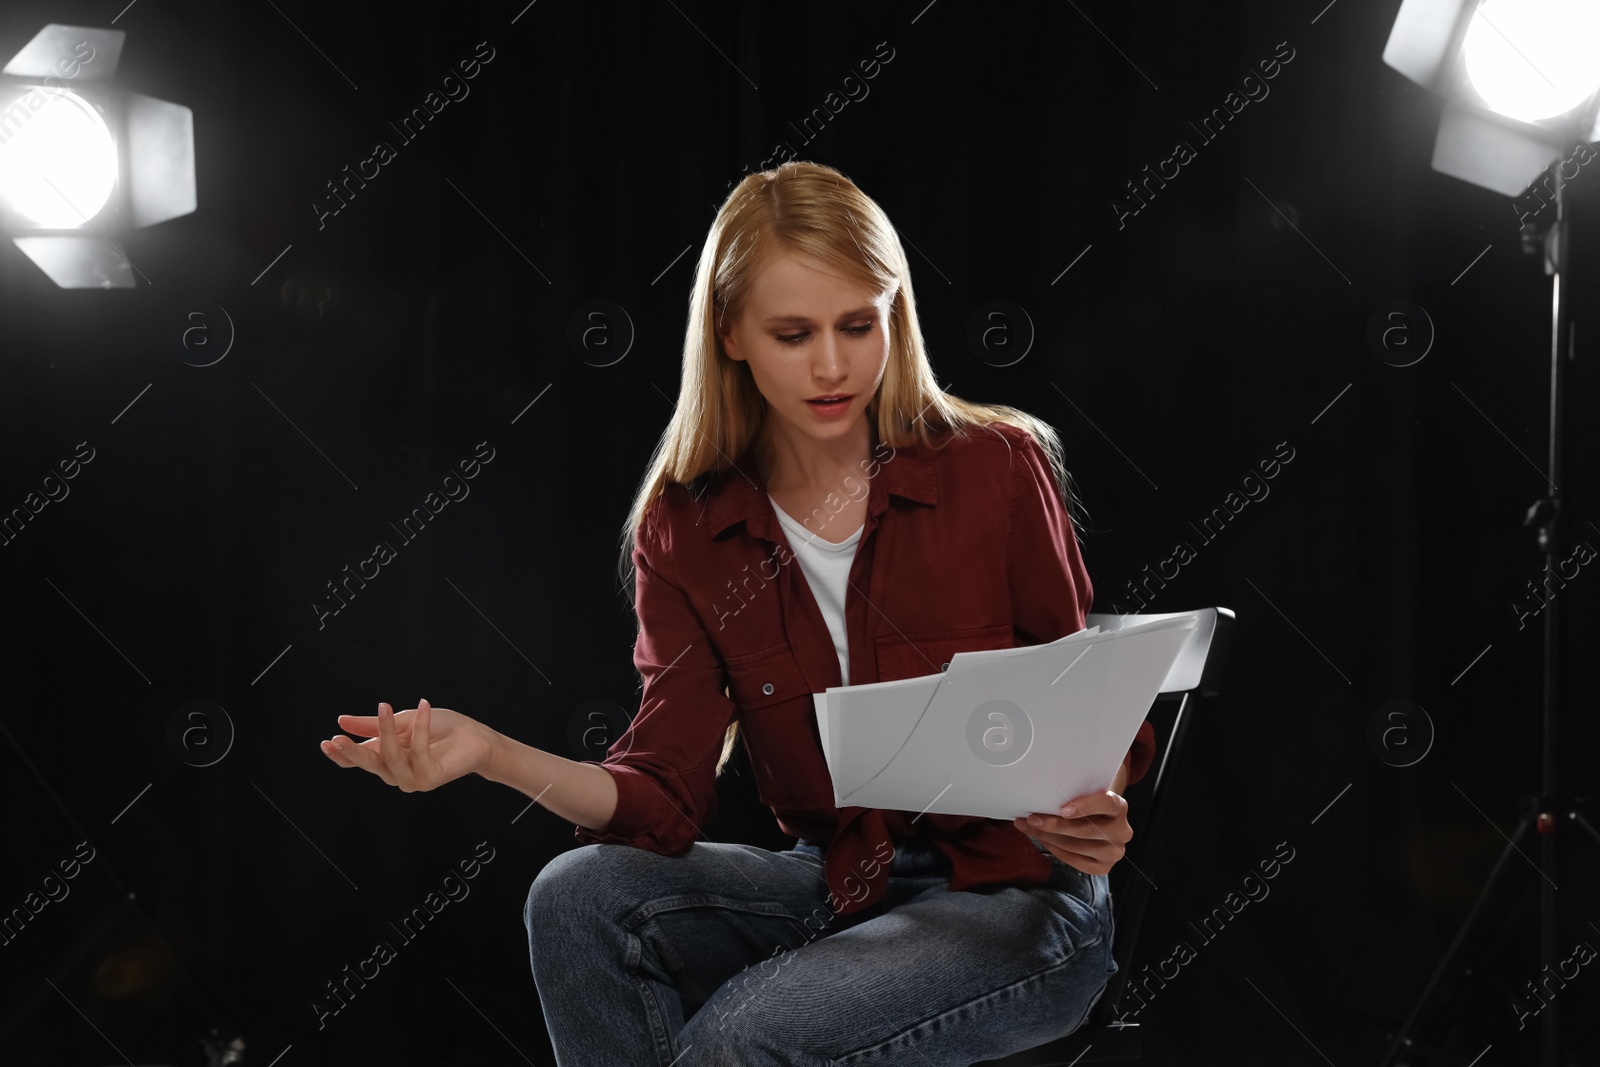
(1197, 671)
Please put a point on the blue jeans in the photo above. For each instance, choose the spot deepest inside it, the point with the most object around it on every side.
(728, 955)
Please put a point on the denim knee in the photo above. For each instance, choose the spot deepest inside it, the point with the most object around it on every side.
(564, 883)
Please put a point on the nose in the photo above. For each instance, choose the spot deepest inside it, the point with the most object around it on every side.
(830, 366)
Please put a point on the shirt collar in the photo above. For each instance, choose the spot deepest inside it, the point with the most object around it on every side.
(739, 494)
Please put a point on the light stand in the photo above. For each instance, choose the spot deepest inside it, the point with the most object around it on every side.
(1547, 813)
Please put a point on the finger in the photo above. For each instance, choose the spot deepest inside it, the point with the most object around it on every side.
(390, 751)
(1082, 852)
(365, 725)
(1102, 803)
(1100, 828)
(1112, 847)
(1044, 822)
(349, 754)
(342, 751)
(332, 750)
(1085, 856)
(419, 733)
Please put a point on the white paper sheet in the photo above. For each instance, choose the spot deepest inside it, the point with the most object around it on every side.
(1000, 733)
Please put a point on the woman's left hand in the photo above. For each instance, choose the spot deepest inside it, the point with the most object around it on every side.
(1088, 833)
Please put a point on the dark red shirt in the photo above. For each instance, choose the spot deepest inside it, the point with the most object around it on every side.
(965, 547)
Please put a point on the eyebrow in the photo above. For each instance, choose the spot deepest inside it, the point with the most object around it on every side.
(804, 320)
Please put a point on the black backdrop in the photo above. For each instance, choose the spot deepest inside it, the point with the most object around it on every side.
(378, 347)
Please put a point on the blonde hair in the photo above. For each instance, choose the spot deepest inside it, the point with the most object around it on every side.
(812, 210)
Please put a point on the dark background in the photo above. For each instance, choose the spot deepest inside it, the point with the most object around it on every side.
(1173, 357)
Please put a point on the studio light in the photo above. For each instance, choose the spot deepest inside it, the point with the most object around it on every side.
(1519, 78)
(81, 163)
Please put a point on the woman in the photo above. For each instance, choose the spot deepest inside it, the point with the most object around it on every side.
(781, 545)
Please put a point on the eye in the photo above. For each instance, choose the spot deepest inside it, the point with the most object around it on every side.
(796, 338)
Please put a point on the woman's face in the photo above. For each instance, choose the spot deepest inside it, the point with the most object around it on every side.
(808, 334)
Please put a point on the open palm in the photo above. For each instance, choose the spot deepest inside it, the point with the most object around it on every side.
(417, 750)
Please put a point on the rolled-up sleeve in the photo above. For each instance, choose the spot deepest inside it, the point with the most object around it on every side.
(1049, 583)
(664, 764)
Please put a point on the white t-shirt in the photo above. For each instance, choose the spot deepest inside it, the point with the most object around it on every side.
(827, 569)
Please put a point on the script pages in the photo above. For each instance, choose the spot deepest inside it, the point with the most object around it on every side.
(1001, 733)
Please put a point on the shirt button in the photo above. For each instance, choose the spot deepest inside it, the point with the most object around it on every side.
(767, 689)
(944, 666)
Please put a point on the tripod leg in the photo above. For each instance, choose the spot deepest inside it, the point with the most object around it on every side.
(1577, 817)
(1402, 1038)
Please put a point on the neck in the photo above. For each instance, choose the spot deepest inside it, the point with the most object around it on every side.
(795, 463)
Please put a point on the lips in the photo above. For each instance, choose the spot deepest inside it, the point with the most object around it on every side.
(830, 399)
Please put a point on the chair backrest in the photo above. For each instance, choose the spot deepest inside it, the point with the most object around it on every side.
(1200, 663)
(1197, 672)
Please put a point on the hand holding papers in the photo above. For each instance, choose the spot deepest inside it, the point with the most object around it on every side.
(1006, 732)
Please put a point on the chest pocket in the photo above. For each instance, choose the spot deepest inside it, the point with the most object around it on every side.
(914, 655)
(779, 724)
